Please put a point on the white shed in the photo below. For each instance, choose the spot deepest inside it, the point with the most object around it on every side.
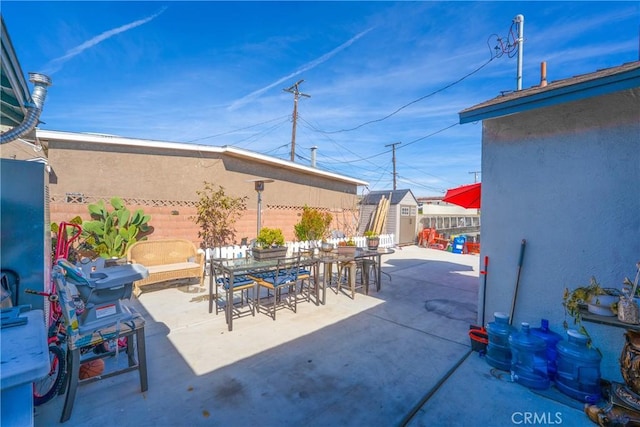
(401, 216)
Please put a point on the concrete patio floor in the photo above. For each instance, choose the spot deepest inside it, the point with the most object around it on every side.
(396, 357)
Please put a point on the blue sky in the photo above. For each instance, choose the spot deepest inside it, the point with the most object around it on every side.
(378, 73)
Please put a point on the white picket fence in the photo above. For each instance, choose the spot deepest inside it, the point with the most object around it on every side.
(235, 251)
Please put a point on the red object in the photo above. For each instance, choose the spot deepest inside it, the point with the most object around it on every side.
(467, 196)
(92, 368)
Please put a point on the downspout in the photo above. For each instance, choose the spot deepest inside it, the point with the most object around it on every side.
(41, 82)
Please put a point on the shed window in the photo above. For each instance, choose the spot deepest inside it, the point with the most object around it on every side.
(404, 211)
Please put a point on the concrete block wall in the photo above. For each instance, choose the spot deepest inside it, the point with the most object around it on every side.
(176, 221)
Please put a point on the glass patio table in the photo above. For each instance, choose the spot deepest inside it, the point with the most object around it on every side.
(235, 267)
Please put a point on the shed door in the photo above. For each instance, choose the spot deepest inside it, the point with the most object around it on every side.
(407, 233)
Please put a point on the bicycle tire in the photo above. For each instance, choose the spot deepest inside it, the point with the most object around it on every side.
(46, 388)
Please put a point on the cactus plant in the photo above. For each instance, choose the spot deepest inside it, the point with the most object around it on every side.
(110, 233)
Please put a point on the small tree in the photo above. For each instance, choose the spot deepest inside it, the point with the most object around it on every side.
(216, 215)
(313, 224)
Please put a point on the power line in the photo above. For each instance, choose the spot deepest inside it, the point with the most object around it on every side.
(410, 103)
(238, 130)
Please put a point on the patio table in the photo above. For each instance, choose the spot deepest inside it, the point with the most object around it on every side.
(329, 258)
(234, 267)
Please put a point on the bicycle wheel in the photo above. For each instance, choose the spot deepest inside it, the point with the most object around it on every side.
(47, 387)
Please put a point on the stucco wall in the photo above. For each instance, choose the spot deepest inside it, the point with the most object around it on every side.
(166, 180)
(567, 179)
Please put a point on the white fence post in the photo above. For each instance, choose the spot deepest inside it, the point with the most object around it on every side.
(235, 251)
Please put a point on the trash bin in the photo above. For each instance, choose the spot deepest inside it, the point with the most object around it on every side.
(458, 244)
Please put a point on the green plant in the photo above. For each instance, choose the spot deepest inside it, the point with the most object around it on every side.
(313, 224)
(270, 237)
(110, 233)
(216, 215)
(348, 242)
(370, 233)
(574, 300)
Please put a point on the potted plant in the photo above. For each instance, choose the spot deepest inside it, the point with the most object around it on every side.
(269, 244)
(594, 298)
(347, 247)
(373, 240)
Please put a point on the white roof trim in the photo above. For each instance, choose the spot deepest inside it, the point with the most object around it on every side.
(238, 152)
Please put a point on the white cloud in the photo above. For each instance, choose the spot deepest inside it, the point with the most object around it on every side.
(56, 64)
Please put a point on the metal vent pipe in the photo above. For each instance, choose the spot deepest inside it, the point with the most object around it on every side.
(41, 83)
(519, 20)
(313, 156)
(543, 73)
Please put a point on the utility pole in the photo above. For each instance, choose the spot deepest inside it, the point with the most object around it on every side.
(296, 94)
(475, 176)
(393, 147)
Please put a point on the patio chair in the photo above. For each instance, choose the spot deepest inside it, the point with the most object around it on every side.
(306, 281)
(365, 267)
(286, 276)
(242, 284)
(347, 271)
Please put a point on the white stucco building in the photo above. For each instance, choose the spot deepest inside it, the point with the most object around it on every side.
(561, 169)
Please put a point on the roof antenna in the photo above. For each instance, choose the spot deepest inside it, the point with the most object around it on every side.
(519, 20)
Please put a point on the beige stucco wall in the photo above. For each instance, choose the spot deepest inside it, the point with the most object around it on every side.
(176, 175)
(164, 181)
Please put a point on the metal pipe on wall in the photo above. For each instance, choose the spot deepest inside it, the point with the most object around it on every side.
(41, 83)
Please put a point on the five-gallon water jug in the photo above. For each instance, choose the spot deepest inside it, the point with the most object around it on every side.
(578, 373)
(498, 348)
(551, 339)
(528, 359)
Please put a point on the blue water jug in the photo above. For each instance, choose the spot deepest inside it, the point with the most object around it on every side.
(458, 244)
(551, 339)
(498, 348)
(578, 373)
(528, 359)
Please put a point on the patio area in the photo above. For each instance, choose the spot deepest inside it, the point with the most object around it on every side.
(396, 357)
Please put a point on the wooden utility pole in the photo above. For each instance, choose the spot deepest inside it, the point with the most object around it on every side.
(393, 146)
(296, 94)
(475, 176)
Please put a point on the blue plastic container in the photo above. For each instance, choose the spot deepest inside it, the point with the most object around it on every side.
(578, 373)
(458, 244)
(528, 359)
(551, 339)
(498, 348)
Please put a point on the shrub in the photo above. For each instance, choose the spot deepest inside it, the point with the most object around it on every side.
(313, 224)
(270, 237)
